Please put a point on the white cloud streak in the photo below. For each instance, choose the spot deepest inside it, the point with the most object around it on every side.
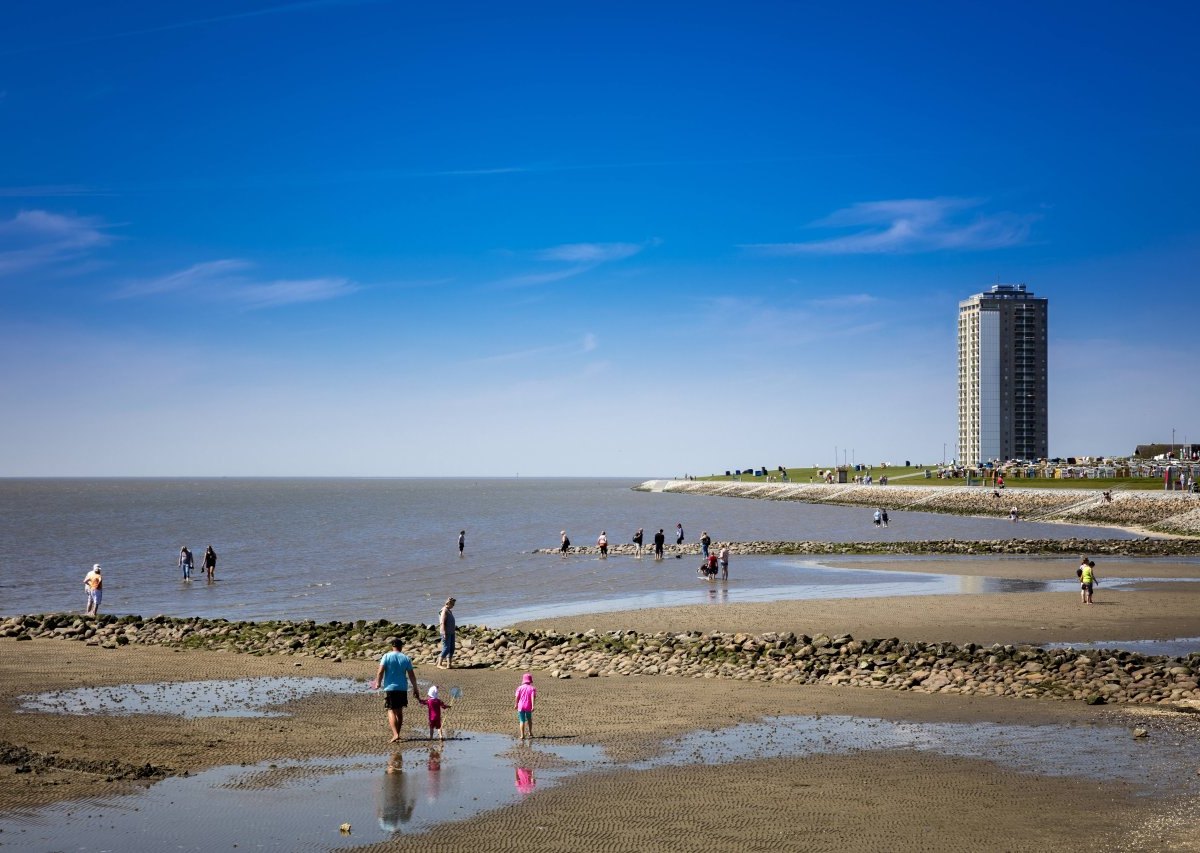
(36, 239)
(230, 280)
(906, 226)
(583, 258)
(591, 253)
(589, 343)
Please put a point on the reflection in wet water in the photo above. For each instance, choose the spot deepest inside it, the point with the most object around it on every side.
(1093, 752)
(300, 805)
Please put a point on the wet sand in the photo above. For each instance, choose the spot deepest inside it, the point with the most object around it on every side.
(867, 800)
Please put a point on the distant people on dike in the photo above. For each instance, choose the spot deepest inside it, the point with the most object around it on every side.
(462, 541)
(602, 544)
(210, 563)
(394, 666)
(724, 562)
(566, 543)
(637, 543)
(660, 539)
(526, 693)
(93, 585)
(446, 629)
(705, 541)
(186, 562)
(1087, 579)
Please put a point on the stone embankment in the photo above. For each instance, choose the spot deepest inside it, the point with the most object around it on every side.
(1175, 513)
(1108, 547)
(1096, 677)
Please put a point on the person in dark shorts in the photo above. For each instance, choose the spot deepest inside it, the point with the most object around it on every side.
(659, 539)
(393, 667)
(462, 541)
(210, 563)
(566, 543)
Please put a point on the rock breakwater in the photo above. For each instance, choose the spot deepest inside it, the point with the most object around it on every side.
(1097, 677)
(1109, 547)
(1173, 513)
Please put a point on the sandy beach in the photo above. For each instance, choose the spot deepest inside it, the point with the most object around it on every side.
(864, 798)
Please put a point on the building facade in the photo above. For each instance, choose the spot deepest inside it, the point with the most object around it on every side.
(1002, 392)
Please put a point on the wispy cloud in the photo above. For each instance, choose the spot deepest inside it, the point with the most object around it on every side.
(35, 239)
(582, 257)
(588, 344)
(903, 226)
(591, 253)
(233, 280)
(847, 300)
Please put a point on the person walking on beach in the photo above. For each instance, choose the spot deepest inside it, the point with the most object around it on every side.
(446, 628)
(660, 539)
(524, 705)
(393, 667)
(637, 543)
(1087, 579)
(705, 542)
(462, 541)
(210, 563)
(878, 518)
(883, 517)
(185, 562)
(566, 543)
(93, 585)
(724, 562)
(602, 544)
(435, 706)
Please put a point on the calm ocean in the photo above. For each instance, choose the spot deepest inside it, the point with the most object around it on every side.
(386, 548)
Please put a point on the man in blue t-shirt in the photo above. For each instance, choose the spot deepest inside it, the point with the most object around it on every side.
(393, 667)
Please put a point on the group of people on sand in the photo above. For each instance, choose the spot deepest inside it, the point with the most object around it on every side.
(396, 674)
(186, 562)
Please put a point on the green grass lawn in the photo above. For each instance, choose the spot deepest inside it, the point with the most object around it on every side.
(898, 475)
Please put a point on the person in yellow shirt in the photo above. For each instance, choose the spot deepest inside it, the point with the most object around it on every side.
(93, 584)
(1087, 579)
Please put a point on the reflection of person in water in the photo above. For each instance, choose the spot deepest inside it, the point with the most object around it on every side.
(525, 781)
(435, 774)
(395, 802)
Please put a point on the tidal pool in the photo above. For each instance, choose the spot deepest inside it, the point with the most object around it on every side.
(241, 697)
(300, 805)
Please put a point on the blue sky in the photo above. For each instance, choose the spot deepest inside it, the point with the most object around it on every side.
(380, 238)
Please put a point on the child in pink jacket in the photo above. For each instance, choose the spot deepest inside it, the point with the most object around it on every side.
(435, 707)
(525, 694)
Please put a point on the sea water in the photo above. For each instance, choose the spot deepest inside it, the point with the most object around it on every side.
(387, 548)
